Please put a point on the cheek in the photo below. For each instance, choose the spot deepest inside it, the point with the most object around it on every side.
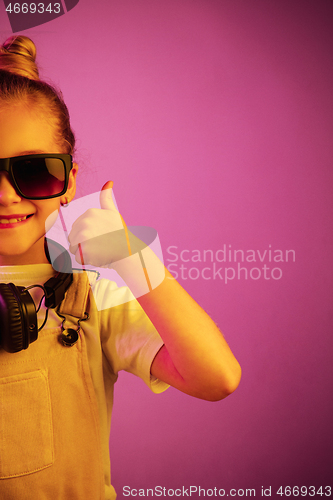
(50, 220)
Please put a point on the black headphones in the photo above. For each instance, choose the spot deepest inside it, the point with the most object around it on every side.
(18, 314)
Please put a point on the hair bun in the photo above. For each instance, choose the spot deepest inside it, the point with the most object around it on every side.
(18, 55)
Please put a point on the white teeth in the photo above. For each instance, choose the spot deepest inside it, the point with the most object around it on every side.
(11, 221)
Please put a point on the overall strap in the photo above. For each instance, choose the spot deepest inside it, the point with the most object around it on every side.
(76, 297)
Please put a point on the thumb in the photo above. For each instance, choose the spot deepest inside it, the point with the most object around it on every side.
(105, 197)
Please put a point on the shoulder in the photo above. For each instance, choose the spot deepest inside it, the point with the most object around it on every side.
(107, 294)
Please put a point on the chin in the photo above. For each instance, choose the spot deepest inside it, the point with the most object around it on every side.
(14, 253)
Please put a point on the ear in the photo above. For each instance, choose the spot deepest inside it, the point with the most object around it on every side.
(71, 188)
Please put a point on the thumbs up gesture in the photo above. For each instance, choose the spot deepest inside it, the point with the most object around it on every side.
(99, 237)
(105, 197)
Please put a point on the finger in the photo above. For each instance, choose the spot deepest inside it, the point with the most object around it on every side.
(73, 248)
(79, 256)
(105, 197)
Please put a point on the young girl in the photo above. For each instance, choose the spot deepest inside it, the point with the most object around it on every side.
(56, 391)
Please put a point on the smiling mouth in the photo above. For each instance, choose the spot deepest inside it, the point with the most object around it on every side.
(15, 220)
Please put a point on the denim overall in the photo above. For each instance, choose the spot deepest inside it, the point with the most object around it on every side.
(50, 444)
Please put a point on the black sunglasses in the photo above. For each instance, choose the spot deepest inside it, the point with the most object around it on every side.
(38, 177)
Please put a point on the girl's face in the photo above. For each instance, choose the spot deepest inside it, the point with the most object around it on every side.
(22, 242)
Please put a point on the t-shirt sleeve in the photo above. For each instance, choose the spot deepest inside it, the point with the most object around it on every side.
(130, 341)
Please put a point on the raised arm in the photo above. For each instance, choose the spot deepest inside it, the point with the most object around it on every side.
(195, 357)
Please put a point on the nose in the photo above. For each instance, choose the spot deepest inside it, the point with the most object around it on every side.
(8, 193)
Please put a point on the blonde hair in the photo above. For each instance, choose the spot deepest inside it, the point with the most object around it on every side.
(18, 55)
(20, 83)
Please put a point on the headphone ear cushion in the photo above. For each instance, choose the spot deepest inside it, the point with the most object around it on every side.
(12, 323)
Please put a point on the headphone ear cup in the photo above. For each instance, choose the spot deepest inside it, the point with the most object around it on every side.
(18, 318)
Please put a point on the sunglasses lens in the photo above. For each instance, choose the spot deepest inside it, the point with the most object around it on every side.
(40, 177)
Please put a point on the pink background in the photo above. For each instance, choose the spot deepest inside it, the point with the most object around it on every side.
(214, 120)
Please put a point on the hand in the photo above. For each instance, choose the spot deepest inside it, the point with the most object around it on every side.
(99, 237)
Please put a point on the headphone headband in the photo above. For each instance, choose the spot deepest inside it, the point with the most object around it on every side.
(18, 316)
